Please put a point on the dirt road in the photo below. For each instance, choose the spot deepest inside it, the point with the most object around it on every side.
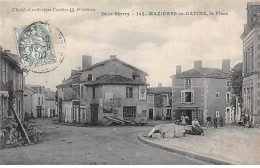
(91, 145)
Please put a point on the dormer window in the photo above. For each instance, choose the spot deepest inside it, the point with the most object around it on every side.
(136, 76)
(187, 82)
(90, 77)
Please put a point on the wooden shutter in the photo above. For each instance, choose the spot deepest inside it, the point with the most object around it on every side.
(192, 97)
(182, 97)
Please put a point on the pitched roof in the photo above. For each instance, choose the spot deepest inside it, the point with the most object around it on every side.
(159, 90)
(115, 80)
(113, 59)
(204, 73)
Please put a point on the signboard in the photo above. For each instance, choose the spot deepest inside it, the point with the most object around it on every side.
(142, 92)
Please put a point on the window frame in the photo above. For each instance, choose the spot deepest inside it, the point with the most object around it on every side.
(129, 109)
(183, 100)
(89, 77)
(189, 83)
(129, 93)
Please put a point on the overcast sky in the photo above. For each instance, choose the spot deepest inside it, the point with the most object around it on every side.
(155, 44)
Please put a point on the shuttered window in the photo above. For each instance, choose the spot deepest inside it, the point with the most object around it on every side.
(187, 96)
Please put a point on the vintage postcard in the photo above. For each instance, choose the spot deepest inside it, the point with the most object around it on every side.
(133, 82)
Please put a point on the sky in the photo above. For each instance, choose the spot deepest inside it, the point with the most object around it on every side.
(155, 44)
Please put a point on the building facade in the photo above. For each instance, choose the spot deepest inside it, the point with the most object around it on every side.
(11, 75)
(251, 63)
(201, 92)
(111, 88)
(159, 102)
(39, 101)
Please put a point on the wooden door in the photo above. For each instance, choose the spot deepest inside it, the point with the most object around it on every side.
(94, 114)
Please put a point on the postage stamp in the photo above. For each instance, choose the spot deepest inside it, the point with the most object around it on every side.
(40, 46)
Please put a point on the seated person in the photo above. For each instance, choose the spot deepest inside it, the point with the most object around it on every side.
(196, 129)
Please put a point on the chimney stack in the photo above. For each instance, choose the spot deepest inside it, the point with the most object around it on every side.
(178, 69)
(86, 61)
(112, 56)
(72, 72)
(197, 64)
(159, 85)
(226, 65)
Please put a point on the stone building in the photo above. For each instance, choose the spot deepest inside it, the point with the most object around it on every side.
(201, 92)
(11, 72)
(109, 88)
(39, 100)
(159, 102)
(251, 63)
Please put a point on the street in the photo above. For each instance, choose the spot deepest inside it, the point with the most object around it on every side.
(90, 145)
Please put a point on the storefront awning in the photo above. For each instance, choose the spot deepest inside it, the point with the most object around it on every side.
(4, 93)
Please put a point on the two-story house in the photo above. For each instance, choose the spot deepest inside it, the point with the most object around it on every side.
(159, 102)
(251, 63)
(201, 92)
(108, 88)
(11, 75)
(34, 100)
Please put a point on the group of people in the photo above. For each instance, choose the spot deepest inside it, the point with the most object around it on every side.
(27, 117)
(216, 121)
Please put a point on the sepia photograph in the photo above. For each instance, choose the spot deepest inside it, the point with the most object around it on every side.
(133, 82)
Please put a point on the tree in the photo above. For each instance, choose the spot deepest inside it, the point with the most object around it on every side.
(11, 94)
(236, 84)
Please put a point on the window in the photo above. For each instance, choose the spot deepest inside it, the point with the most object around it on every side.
(129, 111)
(39, 100)
(136, 77)
(187, 97)
(228, 83)
(165, 100)
(187, 82)
(217, 113)
(93, 93)
(4, 72)
(129, 92)
(90, 77)
(42, 100)
(227, 97)
(217, 94)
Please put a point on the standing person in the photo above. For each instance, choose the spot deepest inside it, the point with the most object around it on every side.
(196, 129)
(32, 117)
(221, 121)
(208, 122)
(26, 116)
(215, 121)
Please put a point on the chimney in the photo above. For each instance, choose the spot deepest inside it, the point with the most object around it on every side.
(112, 56)
(226, 65)
(159, 85)
(178, 69)
(86, 61)
(197, 64)
(72, 72)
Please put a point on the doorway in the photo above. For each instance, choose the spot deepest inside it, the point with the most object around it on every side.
(189, 114)
(150, 114)
(39, 111)
(94, 114)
